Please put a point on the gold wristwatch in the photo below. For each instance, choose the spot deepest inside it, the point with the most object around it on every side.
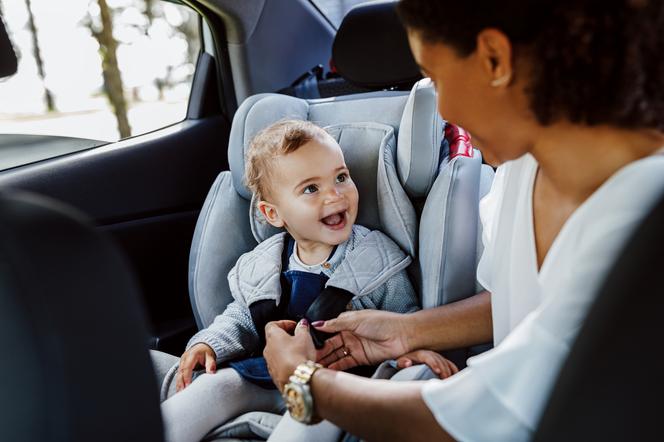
(297, 393)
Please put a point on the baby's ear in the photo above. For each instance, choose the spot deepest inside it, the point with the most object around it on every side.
(270, 213)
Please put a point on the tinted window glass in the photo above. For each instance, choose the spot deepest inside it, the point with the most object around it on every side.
(99, 70)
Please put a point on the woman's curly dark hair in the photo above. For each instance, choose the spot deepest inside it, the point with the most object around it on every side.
(594, 61)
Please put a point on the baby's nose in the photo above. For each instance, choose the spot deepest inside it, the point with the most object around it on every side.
(332, 195)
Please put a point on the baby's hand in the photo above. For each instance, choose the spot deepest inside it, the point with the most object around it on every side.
(199, 354)
(438, 364)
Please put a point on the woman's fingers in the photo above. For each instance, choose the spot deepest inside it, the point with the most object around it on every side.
(284, 352)
(341, 347)
(285, 324)
(345, 321)
(344, 363)
(330, 346)
(302, 327)
(340, 358)
(279, 328)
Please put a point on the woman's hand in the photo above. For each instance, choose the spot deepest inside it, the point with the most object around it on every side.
(199, 354)
(366, 337)
(443, 367)
(284, 352)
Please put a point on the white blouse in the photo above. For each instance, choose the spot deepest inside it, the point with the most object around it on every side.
(536, 315)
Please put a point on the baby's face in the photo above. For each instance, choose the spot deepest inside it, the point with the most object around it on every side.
(312, 194)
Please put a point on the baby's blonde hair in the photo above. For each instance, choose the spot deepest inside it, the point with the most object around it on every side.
(280, 138)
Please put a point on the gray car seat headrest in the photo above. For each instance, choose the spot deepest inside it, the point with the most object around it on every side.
(256, 113)
(369, 150)
(420, 136)
(381, 171)
(420, 131)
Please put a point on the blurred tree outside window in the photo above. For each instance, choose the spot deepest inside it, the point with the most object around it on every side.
(97, 69)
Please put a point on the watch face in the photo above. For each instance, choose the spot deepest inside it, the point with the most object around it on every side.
(295, 401)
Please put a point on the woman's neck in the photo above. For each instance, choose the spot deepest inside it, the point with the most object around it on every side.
(577, 160)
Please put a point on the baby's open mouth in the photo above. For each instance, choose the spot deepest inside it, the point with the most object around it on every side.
(335, 221)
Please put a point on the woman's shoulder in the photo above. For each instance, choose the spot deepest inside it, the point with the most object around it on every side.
(628, 194)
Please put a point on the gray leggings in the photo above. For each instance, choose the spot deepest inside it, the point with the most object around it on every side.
(213, 399)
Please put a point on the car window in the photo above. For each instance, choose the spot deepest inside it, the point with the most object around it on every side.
(335, 10)
(95, 70)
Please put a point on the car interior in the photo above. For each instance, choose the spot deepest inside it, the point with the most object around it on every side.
(132, 241)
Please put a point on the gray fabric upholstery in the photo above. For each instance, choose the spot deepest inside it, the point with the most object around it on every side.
(448, 233)
(370, 258)
(259, 111)
(256, 424)
(256, 113)
(420, 134)
(387, 176)
(220, 237)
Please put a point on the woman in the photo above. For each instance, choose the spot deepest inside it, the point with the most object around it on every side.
(567, 97)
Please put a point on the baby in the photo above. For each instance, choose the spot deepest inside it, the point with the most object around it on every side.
(300, 183)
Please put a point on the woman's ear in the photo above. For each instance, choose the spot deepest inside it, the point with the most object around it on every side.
(270, 213)
(495, 51)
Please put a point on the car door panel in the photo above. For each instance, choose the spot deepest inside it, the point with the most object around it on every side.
(146, 192)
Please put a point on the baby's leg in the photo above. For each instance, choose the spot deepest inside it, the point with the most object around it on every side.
(289, 430)
(211, 400)
(162, 363)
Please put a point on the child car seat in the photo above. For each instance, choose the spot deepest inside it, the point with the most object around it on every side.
(391, 172)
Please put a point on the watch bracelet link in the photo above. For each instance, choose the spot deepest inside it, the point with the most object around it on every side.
(301, 405)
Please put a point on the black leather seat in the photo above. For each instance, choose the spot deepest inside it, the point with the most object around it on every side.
(370, 53)
(75, 364)
(611, 387)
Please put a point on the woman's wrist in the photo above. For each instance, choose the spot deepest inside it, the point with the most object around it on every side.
(455, 325)
(412, 330)
(320, 381)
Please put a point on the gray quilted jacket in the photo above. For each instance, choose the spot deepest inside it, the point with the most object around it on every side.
(373, 269)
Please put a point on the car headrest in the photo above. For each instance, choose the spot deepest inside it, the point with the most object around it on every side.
(415, 119)
(371, 48)
(8, 61)
(254, 114)
(66, 291)
(420, 137)
(369, 149)
(386, 172)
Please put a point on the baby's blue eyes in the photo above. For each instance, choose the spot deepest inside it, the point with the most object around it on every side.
(311, 188)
